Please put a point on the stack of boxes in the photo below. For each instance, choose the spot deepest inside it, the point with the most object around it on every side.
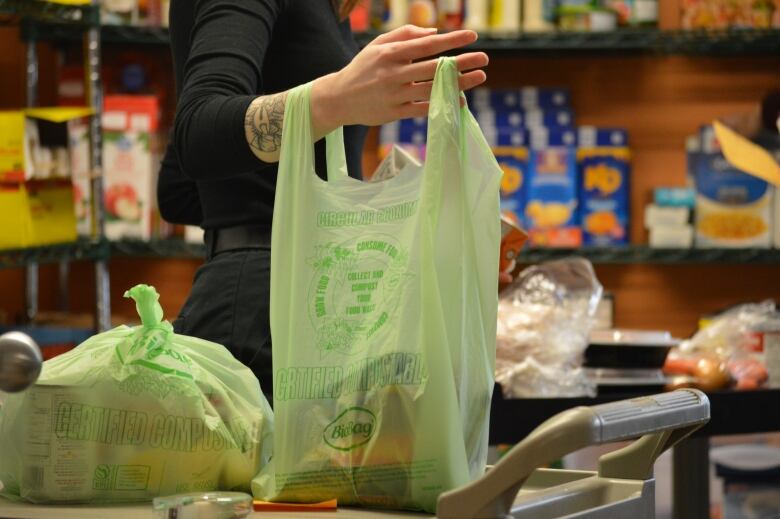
(41, 154)
(723, 207)
(564, 194)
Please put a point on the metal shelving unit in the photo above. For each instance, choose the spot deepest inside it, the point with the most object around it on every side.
(51, 12)
(637, 254)
(640, 254)
(82, 250)
(84, 20)
(735, 42)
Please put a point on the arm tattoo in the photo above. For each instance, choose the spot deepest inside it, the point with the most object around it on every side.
(263, 123)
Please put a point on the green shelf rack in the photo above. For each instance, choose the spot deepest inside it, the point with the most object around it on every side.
(81, 250)
(734, 42)
(642, 254)
(177, 248)
(51, 12)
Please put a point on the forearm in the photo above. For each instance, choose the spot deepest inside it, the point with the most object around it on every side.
(264, 121)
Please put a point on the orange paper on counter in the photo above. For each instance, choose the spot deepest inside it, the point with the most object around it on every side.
(267, 506)
(747, 156)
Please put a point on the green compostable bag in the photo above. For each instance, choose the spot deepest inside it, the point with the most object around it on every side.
(383, 316)
(132, 414)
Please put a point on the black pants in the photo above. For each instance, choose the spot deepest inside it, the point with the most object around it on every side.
(229, 305)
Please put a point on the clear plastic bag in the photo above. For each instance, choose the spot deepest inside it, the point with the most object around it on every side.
(544, 320)
(734, 331)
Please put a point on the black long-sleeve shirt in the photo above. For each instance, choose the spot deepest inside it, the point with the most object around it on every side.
(225, 53)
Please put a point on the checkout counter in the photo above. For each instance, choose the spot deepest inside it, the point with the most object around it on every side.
(516, 487)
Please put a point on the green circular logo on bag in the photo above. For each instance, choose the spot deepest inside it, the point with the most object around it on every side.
(354, 291)
(351, 429)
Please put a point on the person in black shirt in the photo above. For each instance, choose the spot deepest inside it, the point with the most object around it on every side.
(234, 61)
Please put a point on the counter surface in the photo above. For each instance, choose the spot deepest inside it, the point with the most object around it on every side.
(11, 510)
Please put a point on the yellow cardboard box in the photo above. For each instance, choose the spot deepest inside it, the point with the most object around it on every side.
(37, 212)
(28, 138)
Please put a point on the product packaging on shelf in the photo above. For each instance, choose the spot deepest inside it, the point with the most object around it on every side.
(492, 120)
(476, 15)
(511, 150)
(450, 14)
(675, 197)
(81, 177)
(725, 14)
(586, 18)
(733, 208)
(635, 12)
(130, 151)
(505, 16)
(605, 170)
(552, 202)
(776, 227)
(422, 13)
(36, 169)
(152, 13)
(503, 100)
(409, 134)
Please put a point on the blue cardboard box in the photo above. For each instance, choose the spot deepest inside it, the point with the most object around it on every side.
(605, 173)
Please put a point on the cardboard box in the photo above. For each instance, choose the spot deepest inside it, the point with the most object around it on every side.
(81, 177)
(35, 143)
(491, 120)
(130, 160)
(777, 220)
(733, 208)
(552, 202)
(525, 97)
(36, 166)
(408, 134)
(605, 172)
(671, 236)
(393, 164)
(510, 146)
(37, 212)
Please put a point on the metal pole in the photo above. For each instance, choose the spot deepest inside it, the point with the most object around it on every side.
(95, 96)
(32, 272)
(691, 478)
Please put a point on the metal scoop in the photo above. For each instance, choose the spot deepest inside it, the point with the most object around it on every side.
(20, 362)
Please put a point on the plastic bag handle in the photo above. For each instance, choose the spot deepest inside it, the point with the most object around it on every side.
(335, 155)
(445, 129)
(146, 304)
(297, 134)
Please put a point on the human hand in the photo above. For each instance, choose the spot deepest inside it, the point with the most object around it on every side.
(390, 78)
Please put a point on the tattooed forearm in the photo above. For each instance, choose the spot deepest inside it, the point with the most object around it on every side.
(263, 126)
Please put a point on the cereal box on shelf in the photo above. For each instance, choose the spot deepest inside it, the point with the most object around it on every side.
(733, 208)
(604, 163)
(552, 202)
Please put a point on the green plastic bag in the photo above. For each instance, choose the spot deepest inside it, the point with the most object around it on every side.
(132, 414)
(383, 316)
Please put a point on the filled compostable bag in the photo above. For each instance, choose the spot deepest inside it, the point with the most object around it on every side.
(135, 413)
(383, 316)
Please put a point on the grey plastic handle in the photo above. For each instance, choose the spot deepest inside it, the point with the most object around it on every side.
(660, 420)
(628, 419)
